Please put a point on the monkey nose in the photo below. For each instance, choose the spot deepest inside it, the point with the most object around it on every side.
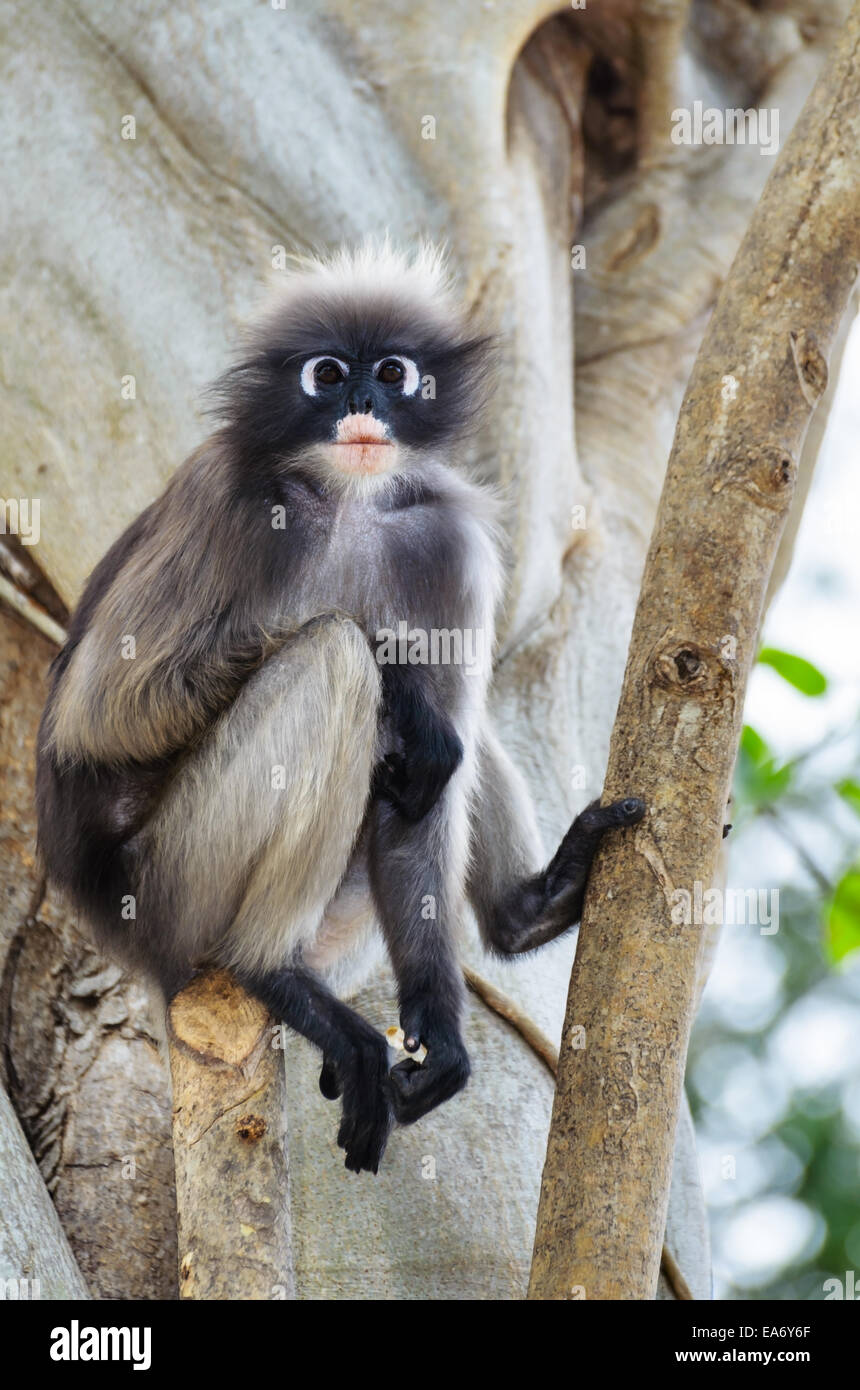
(356, 407)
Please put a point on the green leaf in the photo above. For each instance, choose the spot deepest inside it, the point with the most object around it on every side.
(849, 790)
(759, 779)
(843, 917)
(753, 745)
(795, 669)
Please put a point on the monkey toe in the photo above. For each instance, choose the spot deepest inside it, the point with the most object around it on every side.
(596, 818)
(329, 1081)
(367, 1118)
(364, 1138)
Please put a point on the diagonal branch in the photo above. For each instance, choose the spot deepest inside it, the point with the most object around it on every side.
(731, 474)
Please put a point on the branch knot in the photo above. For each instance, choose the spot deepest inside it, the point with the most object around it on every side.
(688, 669)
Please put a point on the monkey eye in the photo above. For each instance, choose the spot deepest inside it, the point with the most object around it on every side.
(327, 374)
(396, 371)
(322, 371)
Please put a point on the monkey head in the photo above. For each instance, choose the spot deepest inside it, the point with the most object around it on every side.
(361, 367)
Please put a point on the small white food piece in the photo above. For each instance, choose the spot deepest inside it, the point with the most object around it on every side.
(396, 1038)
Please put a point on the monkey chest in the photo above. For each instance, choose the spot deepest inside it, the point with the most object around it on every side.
(386, 570)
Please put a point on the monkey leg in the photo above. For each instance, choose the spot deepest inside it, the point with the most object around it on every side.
(355, 1062)
(519, 909)
(252, 841)
(417, 875)
(256, 830)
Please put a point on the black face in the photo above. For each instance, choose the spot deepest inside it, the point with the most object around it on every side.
(340, 386)
(324, 359)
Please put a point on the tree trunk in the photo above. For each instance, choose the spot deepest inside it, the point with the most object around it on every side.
(510, 130)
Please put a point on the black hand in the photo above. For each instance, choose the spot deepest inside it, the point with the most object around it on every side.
(572, 860)
(414, 780)
(418, 1087)
(414, 776)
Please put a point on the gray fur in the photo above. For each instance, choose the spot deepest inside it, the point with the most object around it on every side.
(271, 797)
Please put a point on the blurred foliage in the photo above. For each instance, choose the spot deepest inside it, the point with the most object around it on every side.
(843, 916)
(795, 669)
(810, 1153)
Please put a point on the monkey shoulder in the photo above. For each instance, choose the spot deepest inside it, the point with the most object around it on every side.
(444, 503)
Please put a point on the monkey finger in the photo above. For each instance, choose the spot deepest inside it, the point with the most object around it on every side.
(408, 1067)
(414, 803)
(389, 778)
(629, 810)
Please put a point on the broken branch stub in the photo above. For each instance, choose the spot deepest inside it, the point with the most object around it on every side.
(230, 1144)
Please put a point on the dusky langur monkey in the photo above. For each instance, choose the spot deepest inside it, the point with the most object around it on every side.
(226, 748)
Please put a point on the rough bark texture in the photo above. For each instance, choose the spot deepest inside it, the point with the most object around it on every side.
(258, 128)
(727, 493)
(229, 1144)
(78, 1051)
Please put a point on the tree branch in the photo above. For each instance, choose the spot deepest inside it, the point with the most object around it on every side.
(731, 474)
(508, 1009)
(33, 1247)
(32, 611)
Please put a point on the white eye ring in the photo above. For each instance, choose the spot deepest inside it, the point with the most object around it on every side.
(410, 371)
(309, 386)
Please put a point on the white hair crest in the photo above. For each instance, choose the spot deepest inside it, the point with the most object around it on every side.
(374, 267)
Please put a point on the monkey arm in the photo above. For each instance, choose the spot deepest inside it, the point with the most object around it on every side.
(416, 883)
(118, 709)
(414, 777)
(166, 631)
(519, 908)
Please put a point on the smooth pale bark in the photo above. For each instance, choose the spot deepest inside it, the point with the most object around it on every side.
(258, 128)
(35, 1259)
(229, 1144)
(732, 472)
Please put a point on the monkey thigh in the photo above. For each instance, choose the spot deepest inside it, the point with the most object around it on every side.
(256, 832)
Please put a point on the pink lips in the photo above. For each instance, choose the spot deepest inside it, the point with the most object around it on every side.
(362, 445)
(361, 429)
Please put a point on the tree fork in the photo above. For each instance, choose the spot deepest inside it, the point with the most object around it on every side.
(760, 372)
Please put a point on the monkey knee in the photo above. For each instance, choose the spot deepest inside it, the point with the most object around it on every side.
(352, 666)
(340, 678)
